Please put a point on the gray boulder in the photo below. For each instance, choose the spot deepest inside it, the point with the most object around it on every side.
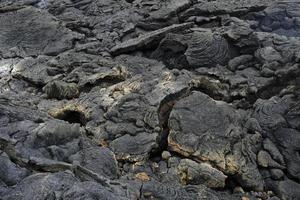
(210, 130)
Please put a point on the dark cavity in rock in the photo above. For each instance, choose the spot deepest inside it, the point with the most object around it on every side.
(72, 116)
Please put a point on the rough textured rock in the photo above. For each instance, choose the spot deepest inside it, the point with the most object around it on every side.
(196, 49)
(236, 62)
(133, 147)
(42, 186)
(288, 139)
(61, 90)
(269, 113)
(273, 150)
(90, 190)
(99, 160)
(11, 173)
(208, 130)
(149, 99)
(281, 18)
(149, 39)
(30, 32)
(166, 192)
(34, 70)
(194, 173)
(287, 189)
(54, 133)
(264, 160)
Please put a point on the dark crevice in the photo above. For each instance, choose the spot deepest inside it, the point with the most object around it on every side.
(72, 116)
(129, 1)
(230, 184)
(164, 112)
(141, 191)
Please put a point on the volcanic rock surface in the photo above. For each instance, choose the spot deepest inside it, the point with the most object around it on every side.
(149, 99)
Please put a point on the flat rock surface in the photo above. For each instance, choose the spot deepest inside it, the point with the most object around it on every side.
(31, 32)
(149, 99)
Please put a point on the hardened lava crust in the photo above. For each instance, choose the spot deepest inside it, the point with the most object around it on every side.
(149, 99)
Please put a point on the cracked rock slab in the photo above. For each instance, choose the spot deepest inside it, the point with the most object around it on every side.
(31, 32)
(148, 39)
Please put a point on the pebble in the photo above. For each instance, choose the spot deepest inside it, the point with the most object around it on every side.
(166, 155)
